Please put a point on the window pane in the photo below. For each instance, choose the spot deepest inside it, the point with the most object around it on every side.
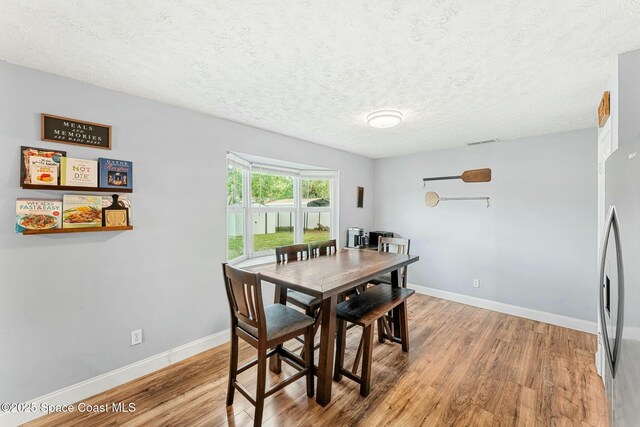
(272, 229)
(235, 234)
(234, 186)
(271, 190)
(316, 192)
(316, 226)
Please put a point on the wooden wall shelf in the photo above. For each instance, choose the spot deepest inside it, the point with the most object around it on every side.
(72, 188)
(77, 230)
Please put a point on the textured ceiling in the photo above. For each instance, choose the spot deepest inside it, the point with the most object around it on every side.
(459, 70)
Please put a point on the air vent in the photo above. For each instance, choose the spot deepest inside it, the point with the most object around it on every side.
(486, 141)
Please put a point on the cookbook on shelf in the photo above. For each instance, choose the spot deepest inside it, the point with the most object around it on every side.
(38, 214)
(81, 211)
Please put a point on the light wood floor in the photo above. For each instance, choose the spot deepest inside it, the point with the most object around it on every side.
(467, 366)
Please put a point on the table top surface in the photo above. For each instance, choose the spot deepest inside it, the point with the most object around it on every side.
(330, 275)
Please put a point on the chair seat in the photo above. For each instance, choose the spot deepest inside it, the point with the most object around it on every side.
(302, 300)
(281, 320)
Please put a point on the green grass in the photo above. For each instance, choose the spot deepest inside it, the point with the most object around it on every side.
(263, 242)
(316, 236)
(235, 246)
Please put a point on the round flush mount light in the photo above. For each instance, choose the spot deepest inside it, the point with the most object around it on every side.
(384, 119)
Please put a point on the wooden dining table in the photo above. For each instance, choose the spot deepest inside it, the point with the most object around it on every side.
(326, 277)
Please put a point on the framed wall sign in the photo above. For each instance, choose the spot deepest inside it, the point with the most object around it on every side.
(360, 202)
(76, 132)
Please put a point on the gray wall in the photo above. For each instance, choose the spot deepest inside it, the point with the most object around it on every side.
(69, 302)
(534, 247)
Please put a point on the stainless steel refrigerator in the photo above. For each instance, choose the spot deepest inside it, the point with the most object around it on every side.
(619, 284)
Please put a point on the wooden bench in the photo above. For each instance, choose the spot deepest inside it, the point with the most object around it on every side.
(364, 310)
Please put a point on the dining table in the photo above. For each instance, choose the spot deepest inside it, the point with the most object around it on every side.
(327, 277)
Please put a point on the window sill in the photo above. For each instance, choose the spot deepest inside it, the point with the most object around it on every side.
(249, 262)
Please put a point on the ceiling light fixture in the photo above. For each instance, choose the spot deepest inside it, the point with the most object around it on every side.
(384, 119)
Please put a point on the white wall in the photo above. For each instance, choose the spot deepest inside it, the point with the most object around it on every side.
(534, 247)
(69, 302)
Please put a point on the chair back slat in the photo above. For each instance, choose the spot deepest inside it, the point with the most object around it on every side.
(394, 244)
(250, 293)
(244, 292)
(292, 253)
(326, 247)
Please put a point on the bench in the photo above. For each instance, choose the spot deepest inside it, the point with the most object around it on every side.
(365, 310)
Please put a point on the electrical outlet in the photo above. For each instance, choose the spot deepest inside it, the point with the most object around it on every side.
(476, 283)
(136, 337)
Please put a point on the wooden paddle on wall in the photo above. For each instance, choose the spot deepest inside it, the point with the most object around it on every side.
(473, 175)
(431, 199)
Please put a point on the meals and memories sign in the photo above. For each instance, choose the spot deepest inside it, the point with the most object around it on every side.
(78, 132)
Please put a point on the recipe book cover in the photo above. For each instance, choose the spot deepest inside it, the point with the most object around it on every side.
(43, 170)
(27, 152)
(38, 214)
(81, 211)
(78, 172)
(115, 173)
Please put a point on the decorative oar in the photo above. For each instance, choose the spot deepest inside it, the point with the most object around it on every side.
(431, 199)
(473, 175)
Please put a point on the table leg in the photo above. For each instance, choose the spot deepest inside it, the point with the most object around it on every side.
(395, 282)
(275, 364)
(325, 357)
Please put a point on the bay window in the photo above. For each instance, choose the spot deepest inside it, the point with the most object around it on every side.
(270, 206)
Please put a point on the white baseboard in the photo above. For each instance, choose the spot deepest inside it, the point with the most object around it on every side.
(527, 313)
(631, 333)
(104, 382)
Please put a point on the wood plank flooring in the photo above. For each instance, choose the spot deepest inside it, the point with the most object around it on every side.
(467, 367)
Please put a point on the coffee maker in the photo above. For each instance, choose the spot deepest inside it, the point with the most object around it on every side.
(355, 237)
(374, 235)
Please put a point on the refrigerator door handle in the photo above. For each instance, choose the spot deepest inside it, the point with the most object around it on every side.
(612, 354)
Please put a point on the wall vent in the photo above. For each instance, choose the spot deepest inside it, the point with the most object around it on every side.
(486, 141)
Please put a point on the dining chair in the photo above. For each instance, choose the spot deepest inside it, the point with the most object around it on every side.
(396, 245)
(327, 247)
(309, 304)
(294, 253)
(264, 328)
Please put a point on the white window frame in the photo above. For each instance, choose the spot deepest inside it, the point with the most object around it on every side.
(259, 168)
(242, 208)
(297, 209)
(332, 176)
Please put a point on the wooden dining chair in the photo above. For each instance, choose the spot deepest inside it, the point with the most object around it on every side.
(327, 247)
(264, 328)
(395, 245)
(318, 249)
(309, 304)
(294, 253)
